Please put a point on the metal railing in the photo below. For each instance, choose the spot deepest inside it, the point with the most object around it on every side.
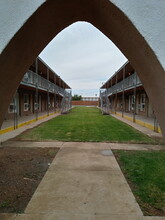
(34, 80)
(66, 103)
(127, 83)
(104, 103)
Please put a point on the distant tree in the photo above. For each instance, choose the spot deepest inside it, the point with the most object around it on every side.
(76, 97)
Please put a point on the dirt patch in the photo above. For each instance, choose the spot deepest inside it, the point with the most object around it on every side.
(21, 170)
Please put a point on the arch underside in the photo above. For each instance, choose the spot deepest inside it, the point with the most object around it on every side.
(52, 17)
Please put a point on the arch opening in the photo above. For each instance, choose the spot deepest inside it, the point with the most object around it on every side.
(54, 16)
(84, 57)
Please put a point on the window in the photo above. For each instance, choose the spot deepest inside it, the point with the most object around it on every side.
(36, 106)
(53, 103)
(142, 102)
(133, 102)
(26, 102)
(133, 99)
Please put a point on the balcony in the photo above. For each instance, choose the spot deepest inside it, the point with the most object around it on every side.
(32, 79)
(126, 84)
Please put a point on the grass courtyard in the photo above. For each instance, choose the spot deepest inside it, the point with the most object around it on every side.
(145, 171)
(86, 124)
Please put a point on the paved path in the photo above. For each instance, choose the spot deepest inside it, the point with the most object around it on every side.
(112, 146)
(84, 182)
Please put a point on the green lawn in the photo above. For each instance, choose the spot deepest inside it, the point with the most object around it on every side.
(86, 124)
(145, 172)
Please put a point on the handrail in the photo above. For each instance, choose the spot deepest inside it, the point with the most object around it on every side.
(33, 79)
(125, 84)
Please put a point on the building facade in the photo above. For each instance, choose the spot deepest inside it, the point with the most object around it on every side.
(87, 101)
(90, 98)
(124, 93)
(40, 91)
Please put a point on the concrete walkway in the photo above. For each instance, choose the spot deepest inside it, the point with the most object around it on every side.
(84, 182)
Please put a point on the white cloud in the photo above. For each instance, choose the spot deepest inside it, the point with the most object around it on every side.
(83, 57)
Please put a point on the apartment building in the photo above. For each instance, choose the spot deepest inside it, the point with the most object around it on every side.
(124, 93)
(40, 91)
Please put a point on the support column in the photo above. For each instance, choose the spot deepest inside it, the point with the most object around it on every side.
(116, 95)
(123, 95)
(65, 107)
(48, 98)
(70, 99)
(106, 98)
(111, 100)
(60, 100)
(54, 94)
(15, 111)
(134, 92)
(36, 103)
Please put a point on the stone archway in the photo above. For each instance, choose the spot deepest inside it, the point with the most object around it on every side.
(113, 19)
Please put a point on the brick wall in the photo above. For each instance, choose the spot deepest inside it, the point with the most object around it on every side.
(86, 103)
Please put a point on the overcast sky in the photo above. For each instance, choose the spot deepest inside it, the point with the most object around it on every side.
(83, 57)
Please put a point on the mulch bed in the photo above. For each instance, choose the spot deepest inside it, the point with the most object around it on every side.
(21, 170)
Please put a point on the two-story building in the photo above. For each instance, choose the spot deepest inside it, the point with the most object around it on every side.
(124, 93)
(40, 91)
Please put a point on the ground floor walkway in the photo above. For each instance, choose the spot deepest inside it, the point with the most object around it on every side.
(10, 122)
(148, 122)
(10, 132)
(140, 127)
(84, 182)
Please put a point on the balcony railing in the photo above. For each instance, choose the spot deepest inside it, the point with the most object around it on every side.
(128, 83)
(34, 80)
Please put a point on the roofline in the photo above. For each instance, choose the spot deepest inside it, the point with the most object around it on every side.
(115, 74)
(39, 58)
